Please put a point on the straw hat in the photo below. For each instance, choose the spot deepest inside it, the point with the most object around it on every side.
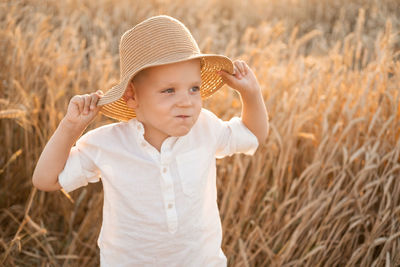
(157, 41)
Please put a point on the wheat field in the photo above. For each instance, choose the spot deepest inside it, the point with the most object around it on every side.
(324, 190)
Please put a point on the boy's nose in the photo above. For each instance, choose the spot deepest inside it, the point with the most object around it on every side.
(184, 99)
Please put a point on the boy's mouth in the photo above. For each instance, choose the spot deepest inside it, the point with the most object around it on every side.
(183, 116)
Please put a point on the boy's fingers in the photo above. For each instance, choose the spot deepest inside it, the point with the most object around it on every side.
(87, 99)
(227, 77)
(81, 104)
(243, 67)
(240, 66)
(78, 102)
(93, 100)
(236, 72)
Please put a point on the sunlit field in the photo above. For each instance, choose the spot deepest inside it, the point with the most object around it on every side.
(324, 190)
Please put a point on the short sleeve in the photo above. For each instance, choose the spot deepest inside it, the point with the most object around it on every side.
(235, 137)
(80, 167)
(231, 136)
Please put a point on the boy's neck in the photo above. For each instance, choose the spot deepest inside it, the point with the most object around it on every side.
(155, 140)
(154, 136)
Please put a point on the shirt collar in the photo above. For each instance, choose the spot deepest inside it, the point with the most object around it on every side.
(138, 129)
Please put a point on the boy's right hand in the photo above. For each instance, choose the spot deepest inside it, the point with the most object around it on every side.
(82, 109)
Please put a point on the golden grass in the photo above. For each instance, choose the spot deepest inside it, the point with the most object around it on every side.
(323, 190)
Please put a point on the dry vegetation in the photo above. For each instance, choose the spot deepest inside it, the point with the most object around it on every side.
(324, 190)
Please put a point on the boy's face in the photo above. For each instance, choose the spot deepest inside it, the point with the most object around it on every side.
(166, 98)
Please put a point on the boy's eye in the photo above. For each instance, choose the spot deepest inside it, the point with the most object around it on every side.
(169, 90)
(195, 89)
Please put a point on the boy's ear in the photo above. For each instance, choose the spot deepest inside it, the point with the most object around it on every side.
(130, 96)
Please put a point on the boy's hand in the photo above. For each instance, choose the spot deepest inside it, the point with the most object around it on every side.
(243, 79)
(254, 112)
(82, 109)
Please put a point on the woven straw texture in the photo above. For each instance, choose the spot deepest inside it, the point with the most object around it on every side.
(157, 41)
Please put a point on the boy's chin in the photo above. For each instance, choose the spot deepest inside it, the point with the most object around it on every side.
(180, 132)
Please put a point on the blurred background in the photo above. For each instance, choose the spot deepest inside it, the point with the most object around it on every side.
(322, 191)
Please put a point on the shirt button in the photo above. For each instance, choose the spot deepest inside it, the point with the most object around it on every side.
(143, 144)
(164, 170)
(170, 205)
(139, 127)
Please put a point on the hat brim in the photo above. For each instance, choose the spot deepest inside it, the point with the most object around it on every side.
(115, 107)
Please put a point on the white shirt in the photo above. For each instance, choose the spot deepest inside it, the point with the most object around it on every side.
(160, 208)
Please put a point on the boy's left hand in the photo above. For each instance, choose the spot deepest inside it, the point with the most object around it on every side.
(243, 79)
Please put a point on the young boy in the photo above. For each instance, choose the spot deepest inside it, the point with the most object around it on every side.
(157, 165)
